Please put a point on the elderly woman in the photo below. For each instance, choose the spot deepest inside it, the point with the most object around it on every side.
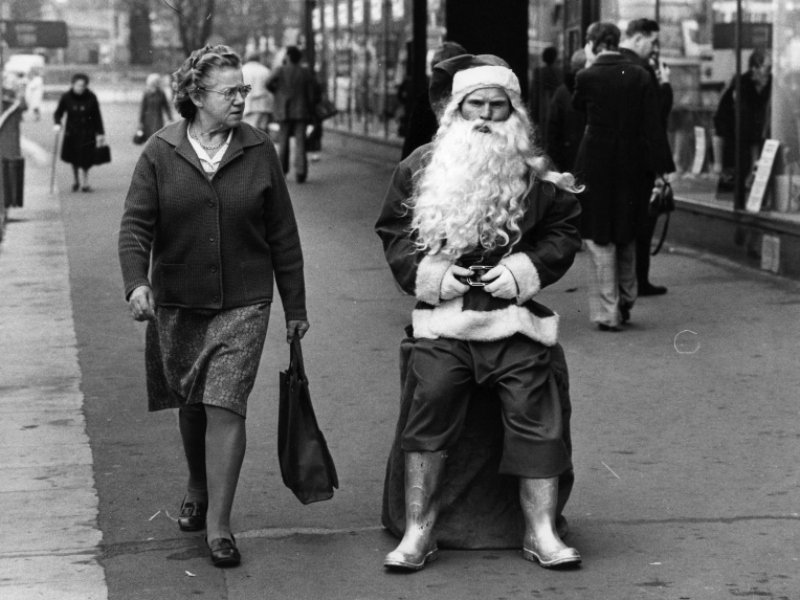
(84, 130)
(208, 205)
(154, 107)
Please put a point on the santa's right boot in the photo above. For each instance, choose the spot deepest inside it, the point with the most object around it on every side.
(424, 474)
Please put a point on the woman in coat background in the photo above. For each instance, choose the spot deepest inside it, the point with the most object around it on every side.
(616, 161)
(84, 130)
(154, 107)
(209, 207)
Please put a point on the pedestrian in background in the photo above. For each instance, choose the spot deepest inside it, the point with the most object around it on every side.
(84, 129)
(154, 107)
(640, 46)
(565, 125)
(209, 209)
(34, 93)
(296, 97)
(616, 161)
(259, 102)
(422, 122)
(544, 82)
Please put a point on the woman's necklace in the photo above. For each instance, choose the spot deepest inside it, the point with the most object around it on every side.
(197, 139)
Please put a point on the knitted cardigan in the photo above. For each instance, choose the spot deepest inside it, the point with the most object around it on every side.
(545, 252)
(216, 243)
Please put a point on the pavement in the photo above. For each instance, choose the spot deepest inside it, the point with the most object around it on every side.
(685, 425)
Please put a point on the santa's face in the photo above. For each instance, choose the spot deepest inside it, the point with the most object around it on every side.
(486, 105)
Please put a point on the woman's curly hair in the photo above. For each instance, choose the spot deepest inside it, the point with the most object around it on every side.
(194, 72)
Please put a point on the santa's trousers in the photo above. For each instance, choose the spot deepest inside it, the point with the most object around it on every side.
(519, 371)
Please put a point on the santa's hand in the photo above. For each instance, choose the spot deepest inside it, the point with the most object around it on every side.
(452, 287)
(503, 285)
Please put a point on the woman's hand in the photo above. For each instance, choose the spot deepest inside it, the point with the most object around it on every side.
(298, 328)
(142, 304)
(503, 285)
(452, 287)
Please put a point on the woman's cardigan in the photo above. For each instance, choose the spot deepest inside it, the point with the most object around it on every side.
(215, 243)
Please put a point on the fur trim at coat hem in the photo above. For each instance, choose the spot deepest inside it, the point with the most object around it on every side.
(525, 274)
(449, 320)
(430, 274)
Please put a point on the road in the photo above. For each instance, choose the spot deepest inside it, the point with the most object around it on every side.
(685, 426)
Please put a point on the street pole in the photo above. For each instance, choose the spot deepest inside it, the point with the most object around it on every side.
(738, 192)
(310, 44)
(419, 47)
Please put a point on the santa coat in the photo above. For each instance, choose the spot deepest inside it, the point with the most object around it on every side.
(549, 242)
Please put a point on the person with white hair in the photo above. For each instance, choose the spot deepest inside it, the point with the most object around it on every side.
(474, 225)
(154, 108)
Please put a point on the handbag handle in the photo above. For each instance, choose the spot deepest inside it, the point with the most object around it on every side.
(296, 363)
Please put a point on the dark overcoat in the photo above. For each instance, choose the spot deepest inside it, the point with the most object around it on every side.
(215, 243)
(296, 93)
(152, 110)
(565, 127)
(84, 124)
(619, 152)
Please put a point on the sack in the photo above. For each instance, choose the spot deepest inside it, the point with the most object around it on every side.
(138, 138)
(325, 109)
(662, 200)
(306, 464)
(102, 155)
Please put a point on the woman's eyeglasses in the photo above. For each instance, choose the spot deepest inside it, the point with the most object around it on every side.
(230, 92)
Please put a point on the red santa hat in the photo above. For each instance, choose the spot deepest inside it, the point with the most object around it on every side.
(455, 78)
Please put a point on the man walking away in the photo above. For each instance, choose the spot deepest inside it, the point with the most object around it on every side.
(565, 125)
(296, 95)
(640, 46)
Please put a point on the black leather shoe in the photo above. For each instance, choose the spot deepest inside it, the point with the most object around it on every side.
(301, 178)
(192, 516)
(224, 552)
(652, 290)
(604, 327)
(625, 313)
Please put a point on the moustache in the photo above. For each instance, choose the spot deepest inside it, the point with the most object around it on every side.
(482, 127)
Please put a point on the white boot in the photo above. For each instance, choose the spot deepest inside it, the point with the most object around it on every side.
(542, 544)
(424, 473)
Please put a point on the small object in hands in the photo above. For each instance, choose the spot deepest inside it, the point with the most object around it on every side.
(474, 279)
(138, 138)
(306, 464)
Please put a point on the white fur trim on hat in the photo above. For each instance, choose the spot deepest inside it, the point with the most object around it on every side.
(469, 80)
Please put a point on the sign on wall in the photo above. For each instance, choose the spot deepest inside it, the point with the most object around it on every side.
(763, 172)
(34, 34)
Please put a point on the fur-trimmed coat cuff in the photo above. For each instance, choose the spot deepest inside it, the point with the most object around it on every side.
(430, 274)
(525, 274)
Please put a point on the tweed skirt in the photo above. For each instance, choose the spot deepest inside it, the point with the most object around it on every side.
(204, 356)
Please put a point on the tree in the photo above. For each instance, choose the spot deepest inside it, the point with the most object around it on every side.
(141, 36)
(195, 20)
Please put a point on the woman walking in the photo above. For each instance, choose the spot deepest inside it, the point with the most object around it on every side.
(208, 204)
(153, 108)
(84, 130)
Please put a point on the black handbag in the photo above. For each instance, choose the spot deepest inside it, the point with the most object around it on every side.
(662, 202)
(325, 109)
(306, 463)
(102, 155)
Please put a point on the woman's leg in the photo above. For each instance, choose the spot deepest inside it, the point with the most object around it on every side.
(85, 179)
(225, 445)
(77, 183)
(192, 422)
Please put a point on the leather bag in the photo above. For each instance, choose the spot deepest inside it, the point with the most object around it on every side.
(325, 109)
(662, 202)
(306, 463)
(102, 155)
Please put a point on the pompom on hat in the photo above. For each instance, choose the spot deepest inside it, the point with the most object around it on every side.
(455, 78)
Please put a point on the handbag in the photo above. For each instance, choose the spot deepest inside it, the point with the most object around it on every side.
(325, 109)
(102, 155)
(306, 464)
(138, 138)
(662, 202)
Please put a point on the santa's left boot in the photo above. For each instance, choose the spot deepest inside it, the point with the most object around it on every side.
(539, 498)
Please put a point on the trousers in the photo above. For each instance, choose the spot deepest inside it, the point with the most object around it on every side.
(612, 281)
(519, 371)
(297, 129)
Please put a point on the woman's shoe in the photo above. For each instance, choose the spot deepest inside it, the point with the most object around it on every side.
(568, 557)
(86, 188)
(192, 516)
(76, 187)
(224, 552)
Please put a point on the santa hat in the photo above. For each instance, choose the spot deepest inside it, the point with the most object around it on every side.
(455, 78)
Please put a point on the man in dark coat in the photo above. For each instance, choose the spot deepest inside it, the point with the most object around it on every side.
(639, 46)
(475, 225)
(565, 125)
(296, 96)
(544, 82)
(617, 161)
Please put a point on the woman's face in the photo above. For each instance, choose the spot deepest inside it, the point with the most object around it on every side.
(79, 86)
(211, 102)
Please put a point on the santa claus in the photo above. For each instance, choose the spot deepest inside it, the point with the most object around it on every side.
(475, 225)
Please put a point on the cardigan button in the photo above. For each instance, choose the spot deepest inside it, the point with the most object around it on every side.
(213, 269)
(215, 299)
(211, 204)
(211, 239)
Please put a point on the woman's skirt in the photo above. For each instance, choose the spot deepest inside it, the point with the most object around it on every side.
(203, 356)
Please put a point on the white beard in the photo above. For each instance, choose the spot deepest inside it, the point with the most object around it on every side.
(471, 193)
